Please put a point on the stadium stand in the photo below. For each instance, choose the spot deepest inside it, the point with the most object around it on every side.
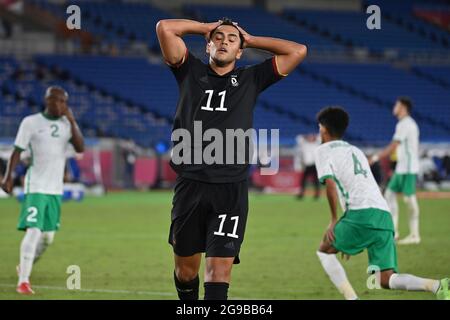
(259, 22)
(437, 74)
(351, 27)
(431, 101)
(134, 98)
(116, 23)
(100, 113)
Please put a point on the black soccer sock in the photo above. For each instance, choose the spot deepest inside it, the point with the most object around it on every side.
(216, 290)
(187, 290)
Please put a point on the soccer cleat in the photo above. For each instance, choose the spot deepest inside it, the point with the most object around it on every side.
(409, 240)
(25, 288)
(443, 292)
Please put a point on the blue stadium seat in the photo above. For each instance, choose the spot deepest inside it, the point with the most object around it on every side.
(259, 22)
(351, 28)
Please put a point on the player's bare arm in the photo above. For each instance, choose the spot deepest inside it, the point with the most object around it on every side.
(328, 237)
(386, 152)
(77, 137)
(7, 183)
(288, 54)
(170, 33)
(332, 202)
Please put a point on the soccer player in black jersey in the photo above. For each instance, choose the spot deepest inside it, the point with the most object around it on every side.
(210, 203)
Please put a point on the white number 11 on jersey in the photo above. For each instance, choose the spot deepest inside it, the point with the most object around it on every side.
(208, 102)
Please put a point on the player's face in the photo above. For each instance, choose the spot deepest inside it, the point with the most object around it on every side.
(56, 103)
(398, 108)
(323, 133)
(224, 45)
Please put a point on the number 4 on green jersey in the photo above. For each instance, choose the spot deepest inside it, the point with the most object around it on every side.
(358, 169)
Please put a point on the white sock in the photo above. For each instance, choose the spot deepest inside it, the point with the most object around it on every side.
(412, 283)
(45, 240)
(391, 198)
(413, 208)
(337, 274)
(27, 252)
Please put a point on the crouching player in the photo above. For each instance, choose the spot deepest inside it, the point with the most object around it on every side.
(366, 223)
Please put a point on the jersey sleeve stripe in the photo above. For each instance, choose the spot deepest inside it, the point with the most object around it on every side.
(18, 148)
(177, 65)
(275, 67)
(328, 176)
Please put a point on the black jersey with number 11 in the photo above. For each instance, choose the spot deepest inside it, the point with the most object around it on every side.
(217, 102)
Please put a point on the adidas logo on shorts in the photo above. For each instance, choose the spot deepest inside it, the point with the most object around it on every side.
(229, 245)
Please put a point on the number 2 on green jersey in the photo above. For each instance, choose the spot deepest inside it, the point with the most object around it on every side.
(55, 129)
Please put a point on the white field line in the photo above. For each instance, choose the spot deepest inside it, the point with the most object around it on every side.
(149, 293)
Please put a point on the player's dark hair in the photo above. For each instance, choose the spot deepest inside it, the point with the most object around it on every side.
(407, 102)
(335, 119)
(228, 22)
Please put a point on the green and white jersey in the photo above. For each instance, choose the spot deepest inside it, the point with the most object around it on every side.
(349, 168)
(46, 139)
(407, 133)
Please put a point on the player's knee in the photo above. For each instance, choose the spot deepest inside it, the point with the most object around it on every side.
(185, 273)
(217, 274)
(323, 247)
(49, 237)
(389, 194)
(411, 202)
(326, 247)
(407, 200)
(32, 236)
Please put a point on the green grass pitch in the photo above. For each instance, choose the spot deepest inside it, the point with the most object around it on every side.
(120, 243)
